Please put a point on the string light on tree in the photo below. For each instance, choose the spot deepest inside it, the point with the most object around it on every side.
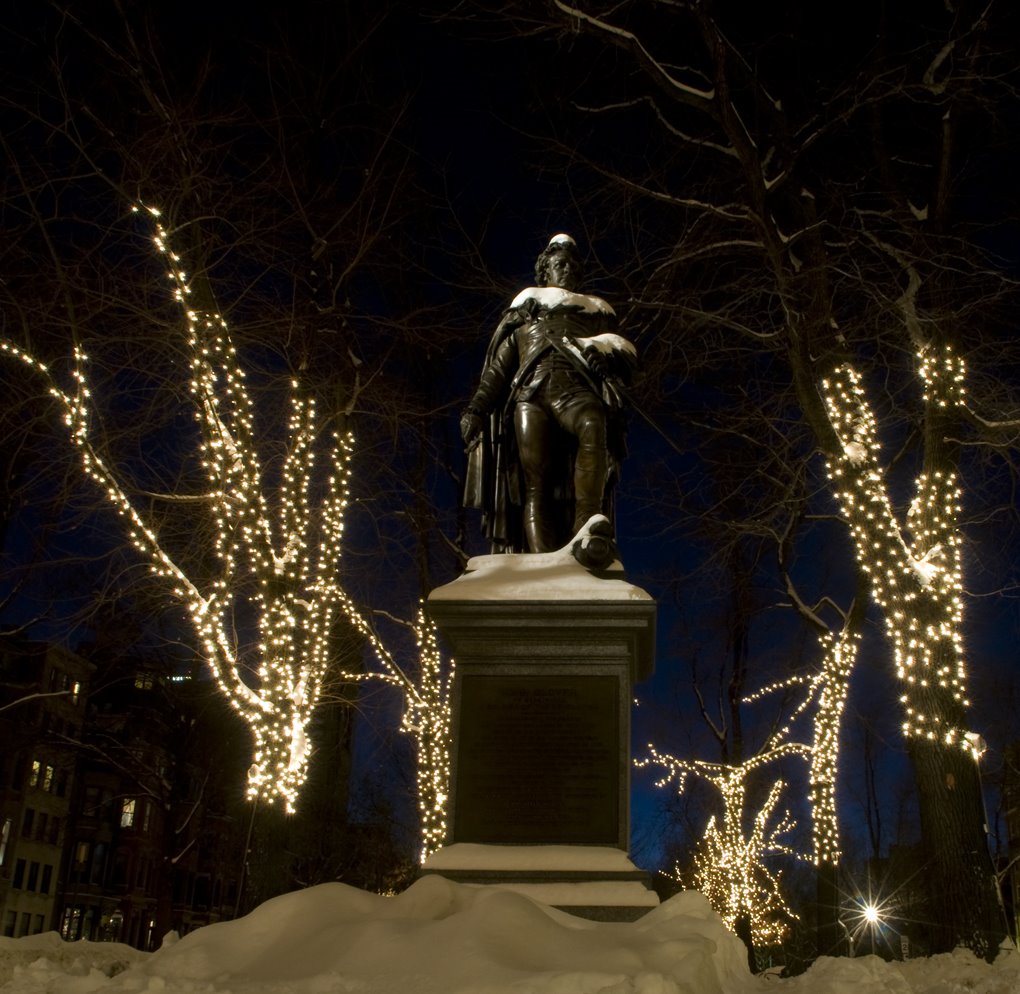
(827, 689)
(914, 570)
(428, 718)
(288, 546)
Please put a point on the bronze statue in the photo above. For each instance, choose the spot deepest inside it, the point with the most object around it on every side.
(545, 429)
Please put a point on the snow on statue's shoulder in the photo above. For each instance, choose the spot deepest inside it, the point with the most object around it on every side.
(552, 297)
(607, 343)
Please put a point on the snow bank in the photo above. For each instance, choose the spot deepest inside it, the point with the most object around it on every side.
(444, 938)
(47, 963)
(957, 973)
(436, 938)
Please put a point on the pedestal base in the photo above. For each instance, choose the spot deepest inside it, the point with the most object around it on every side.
(599, 883)
(547, 653)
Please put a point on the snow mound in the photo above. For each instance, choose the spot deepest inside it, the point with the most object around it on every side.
(960, 972)
(439, 937)
(46, 963)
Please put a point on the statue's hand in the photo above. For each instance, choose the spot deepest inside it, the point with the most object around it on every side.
(598, 361)
(471, 429)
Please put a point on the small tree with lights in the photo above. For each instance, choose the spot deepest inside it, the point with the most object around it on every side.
(731, 860)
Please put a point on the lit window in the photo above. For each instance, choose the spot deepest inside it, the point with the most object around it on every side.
(47, 783)
(81, 853)
(127, 813)
(33, 777)
(75, 691)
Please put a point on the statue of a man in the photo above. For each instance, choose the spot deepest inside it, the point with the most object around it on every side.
(545, 430)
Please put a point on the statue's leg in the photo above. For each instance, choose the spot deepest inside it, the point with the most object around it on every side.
(586, 421)
(535, 428)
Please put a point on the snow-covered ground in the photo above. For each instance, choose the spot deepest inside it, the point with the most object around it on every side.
(444, 938)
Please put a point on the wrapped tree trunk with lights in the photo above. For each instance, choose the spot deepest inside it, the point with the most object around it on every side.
(916, 577)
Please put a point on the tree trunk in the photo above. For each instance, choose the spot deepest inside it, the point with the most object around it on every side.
(959, 872)
(830, 935)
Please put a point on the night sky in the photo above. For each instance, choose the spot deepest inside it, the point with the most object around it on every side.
(470, 125)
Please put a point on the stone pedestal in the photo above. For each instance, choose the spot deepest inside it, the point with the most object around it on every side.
(547, 653)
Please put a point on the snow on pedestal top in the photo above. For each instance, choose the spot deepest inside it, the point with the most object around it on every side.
(537, 576)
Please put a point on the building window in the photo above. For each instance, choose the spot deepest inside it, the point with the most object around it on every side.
(81, 854)
(19, 874)
(39, 920)
(54, 836)
(33, 777)
(98, 865)
(41, 823)
(75, 692)
(127, 813)
(10, 923)
(47, 879)
(61, 783)
(26, 822)
(146, 815)
(47, 780)
(5, 838)
(26, 922)
(33, 876)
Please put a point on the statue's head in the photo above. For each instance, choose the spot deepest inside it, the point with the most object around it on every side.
(559, 264)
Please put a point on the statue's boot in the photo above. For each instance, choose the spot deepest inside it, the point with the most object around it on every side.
(589, 483)
(537, 531)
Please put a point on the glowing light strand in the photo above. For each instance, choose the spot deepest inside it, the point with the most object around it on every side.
(917, 582)
(428, 719)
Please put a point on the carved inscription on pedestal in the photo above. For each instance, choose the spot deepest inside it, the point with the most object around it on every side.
(538, 760)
